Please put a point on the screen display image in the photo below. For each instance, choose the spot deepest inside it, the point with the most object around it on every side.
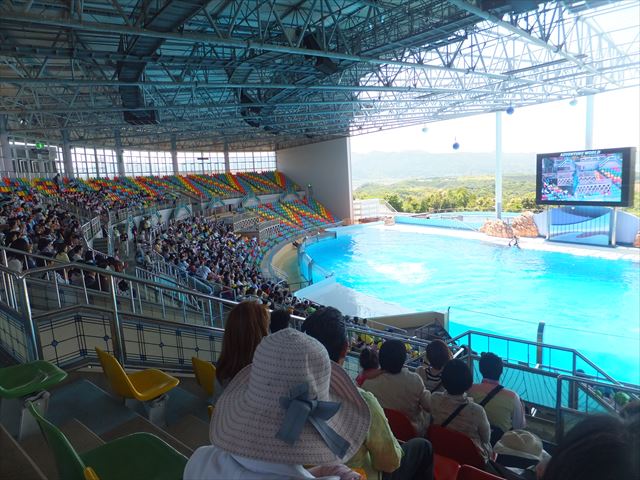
(599, 177)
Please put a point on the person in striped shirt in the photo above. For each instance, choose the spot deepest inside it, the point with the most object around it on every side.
(438, 354)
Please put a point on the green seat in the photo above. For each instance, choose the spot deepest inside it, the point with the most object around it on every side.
(140, 455)
(29, 378)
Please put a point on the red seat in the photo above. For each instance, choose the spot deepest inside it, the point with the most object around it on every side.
(467, 472)
(400, 425)
(444, 468)
(454, 445)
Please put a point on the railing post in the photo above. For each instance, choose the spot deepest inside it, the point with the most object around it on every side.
(118, 344)
(540, 340)
(33, 334)
(558, 424)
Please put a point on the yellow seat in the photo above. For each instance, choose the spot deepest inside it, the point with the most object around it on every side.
(205, 374)
(90, 474)
(143, 386)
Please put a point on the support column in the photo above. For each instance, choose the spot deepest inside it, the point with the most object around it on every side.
(6, 165)
(227, 164)
(66, 155)
(119, 153)
(95, 160)
(498, 165)
(174, 155)
(588, 124)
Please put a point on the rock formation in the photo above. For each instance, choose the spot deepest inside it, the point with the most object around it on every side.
(497, 228)
(524, 226)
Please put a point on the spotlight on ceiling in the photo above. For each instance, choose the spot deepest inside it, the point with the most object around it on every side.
(510, 110)
(573, 102)
(425, 129)
(456, 145)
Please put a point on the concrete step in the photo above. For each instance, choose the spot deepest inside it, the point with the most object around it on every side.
(191, 430)
(139, 424)
(15, 463)
(41, 454)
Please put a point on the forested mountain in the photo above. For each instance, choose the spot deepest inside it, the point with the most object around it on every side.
(384, 167)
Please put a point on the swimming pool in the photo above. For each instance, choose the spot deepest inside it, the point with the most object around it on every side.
(588, 303)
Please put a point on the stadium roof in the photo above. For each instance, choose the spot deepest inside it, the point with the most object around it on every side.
(269, 74)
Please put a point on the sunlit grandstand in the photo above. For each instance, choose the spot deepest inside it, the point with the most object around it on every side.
(189, 289)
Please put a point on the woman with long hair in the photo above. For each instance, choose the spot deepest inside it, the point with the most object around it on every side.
(247, 323)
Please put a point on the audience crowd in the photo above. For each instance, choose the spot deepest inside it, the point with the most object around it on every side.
(278, 373)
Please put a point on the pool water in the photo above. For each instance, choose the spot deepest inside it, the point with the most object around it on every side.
(589, 304)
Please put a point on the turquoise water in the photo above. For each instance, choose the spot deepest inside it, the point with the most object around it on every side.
(589, 304)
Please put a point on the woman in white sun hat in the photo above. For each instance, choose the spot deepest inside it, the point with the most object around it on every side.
(290, 408)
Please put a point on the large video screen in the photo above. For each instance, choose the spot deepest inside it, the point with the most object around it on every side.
(588, 177)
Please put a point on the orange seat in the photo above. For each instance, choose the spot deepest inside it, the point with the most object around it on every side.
(400, 425)
(467, 472)
(454, 445)
(444, 468)
(143, 386)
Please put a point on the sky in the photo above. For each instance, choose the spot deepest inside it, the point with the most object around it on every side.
(545, 128)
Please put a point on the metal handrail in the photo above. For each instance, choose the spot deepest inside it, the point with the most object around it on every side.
(574, 352)
(635, 391)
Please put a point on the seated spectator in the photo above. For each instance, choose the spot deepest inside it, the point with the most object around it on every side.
(453, 409)
(398, 388)
(601, 447)
(380, 456)
(438, 354)
(263, 428)
(247, 323)
(503, 406)
(369, 364)
(279, 320)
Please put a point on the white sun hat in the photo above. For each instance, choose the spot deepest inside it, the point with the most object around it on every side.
(293, 405)
(521, 443)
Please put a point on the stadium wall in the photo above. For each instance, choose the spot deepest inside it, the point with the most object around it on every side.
(327, 167)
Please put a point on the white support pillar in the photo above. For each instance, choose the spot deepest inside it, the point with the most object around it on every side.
(498, 164)
(119, 153)
(588, 124)
(227, 163)
(6, 165)
(174, 155)
(97, 163)
(66, 155)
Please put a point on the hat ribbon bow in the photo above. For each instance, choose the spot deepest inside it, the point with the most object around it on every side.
(300, 408)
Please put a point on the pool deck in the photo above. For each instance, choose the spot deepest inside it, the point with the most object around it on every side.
(539, 243)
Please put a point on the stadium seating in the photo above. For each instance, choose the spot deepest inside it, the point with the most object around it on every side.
(454, 445)
(400, 425)
(143, 386)
(29, 378)
(140, 455)
(467, 472)
(205, 374)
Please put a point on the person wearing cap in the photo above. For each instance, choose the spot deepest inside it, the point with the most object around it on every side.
(520, 452)
(503, 406)
(381, 456)
(291, 407)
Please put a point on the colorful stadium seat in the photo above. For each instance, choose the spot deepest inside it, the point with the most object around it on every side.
(454, 445)
(205, 374)
(29, 378)
(400, 425)
(140, 455)
(143, 386)
(20, 384)
(467, 472)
